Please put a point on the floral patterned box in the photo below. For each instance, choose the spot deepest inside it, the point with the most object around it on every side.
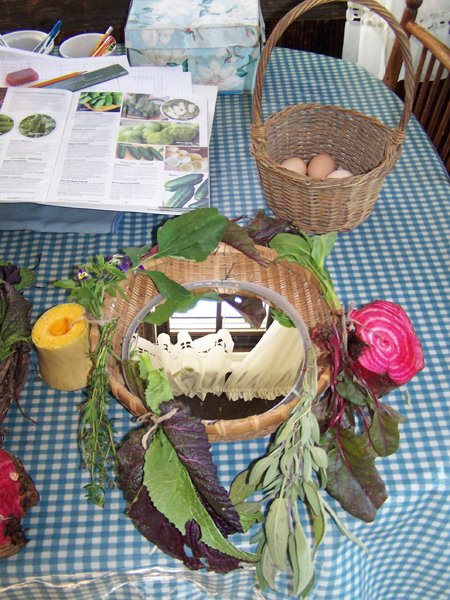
(219, 41)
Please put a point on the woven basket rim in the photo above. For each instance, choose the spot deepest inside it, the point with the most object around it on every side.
(239, 428)
(258, 148)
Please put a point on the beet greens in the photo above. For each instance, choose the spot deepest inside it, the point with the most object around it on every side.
(15, 334)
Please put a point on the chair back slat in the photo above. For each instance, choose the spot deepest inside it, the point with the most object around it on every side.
(431, 104)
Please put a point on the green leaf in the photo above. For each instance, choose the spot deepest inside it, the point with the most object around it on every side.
(353, 478)
(307, 465)
(258, 469)
(193, 235)
(158, 389)
(249, 514)
(319, 456)
(288, 244)
(277, 532)
(266, 569)
(348, 390)
(312, 495)
(300, 559)
(301, 249)
(173, 493)
(282, 319)
(136, 254)
(240, 488)
(169, 288)
(322, 246)
(165, 310)
(342, 528)
(319, 527)
(26, 278)
(384, 433)
(65, 283)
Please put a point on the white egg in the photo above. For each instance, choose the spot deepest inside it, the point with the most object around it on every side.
(295, 164)
(321, 166)
(339, 174)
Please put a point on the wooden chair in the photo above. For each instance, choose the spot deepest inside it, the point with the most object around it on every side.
(432, 83)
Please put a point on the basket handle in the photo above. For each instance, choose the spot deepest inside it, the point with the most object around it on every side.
(302, 8)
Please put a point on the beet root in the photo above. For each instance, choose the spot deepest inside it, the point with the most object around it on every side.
(17, 494)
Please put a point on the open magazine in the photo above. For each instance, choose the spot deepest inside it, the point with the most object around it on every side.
(104, 149)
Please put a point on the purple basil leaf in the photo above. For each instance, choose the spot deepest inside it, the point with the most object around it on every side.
(251, 309)
(217, 561)
(187, 435)
(236, 236)
(153, 524)
(156, 528)
(353, 478)
(130, 456)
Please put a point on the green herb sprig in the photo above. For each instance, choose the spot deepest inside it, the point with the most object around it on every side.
(94, 281)
(293, 469)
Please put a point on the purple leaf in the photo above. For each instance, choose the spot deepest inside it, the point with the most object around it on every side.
(352, 476)
(263, 228)
(153, 524)
(218, 561)
(238, 238)
(251, 309)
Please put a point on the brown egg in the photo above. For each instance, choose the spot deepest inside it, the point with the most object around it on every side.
(295, 164)
(339, 174)
(321, 166)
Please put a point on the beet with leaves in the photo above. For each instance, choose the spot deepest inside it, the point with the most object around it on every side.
(377, 352)
(383, 346)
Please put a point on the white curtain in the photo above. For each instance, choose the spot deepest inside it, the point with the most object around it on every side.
(368, 39)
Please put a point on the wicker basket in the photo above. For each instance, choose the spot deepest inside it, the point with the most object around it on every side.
(361, 144)
(291, 281)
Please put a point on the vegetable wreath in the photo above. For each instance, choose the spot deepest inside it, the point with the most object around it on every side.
(329, 443)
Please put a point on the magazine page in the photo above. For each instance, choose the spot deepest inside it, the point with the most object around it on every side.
(134, 151)
(32, 123)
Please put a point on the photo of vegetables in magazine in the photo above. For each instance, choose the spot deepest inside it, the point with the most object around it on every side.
(105, 150)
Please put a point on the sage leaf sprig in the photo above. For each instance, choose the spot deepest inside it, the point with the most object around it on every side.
(293, 470)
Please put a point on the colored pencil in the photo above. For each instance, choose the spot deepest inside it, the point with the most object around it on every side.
(101, 40)
(103, 49)
(57, 79)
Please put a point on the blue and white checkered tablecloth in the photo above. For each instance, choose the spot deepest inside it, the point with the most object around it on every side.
(401, 253)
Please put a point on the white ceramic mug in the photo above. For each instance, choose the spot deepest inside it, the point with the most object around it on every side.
(81, 46)
(26, 39)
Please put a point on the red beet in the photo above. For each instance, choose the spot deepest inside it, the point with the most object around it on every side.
(384, 347)
(17, 495)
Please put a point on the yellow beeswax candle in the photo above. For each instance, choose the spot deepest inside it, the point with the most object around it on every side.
(61, 338)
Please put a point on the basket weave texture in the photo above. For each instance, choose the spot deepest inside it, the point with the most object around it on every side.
(359, 143)
(292, 281)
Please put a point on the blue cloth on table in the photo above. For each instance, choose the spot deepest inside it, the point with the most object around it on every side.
(39, 217)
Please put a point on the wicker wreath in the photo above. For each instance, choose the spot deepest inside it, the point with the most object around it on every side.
(359, 143)
(290, 280)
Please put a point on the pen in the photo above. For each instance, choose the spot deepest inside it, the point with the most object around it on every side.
(57, 79)
(41, 47)
(3, 42)
(101, 40)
